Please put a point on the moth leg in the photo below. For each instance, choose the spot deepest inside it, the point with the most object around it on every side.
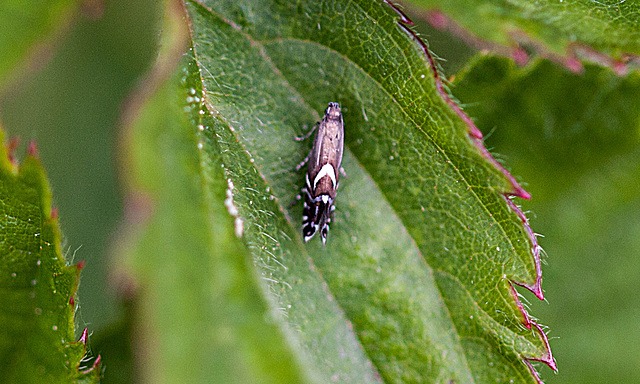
(295, 201)
(298, 197)
(330, 218)
(342, 172)
(303, 162)
(301, 138)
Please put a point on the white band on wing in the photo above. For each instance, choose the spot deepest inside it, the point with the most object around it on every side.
(326, 169)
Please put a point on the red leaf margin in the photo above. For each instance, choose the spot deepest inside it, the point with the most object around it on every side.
(576, 52)
(476, 137)
(10, 163)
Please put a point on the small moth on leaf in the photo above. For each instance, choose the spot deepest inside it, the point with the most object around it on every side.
(323, 172)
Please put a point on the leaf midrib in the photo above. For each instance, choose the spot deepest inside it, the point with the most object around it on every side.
(261, 46)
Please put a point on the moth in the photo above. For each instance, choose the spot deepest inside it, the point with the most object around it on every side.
(323, 173)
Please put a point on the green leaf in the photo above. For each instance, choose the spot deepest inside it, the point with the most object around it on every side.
(37, 288)
(563, 27)
(203, 311)
(575, 138)
(425, 245)
(27, 26)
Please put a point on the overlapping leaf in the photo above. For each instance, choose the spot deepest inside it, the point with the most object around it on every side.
(425, 245)
(25, 24)
(611, 26)
(37, 288)
(554, 117)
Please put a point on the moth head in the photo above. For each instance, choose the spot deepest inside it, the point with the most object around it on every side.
(333, 111)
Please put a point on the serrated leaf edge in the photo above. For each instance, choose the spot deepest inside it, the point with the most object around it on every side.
(476, 138)
(576, 52)
(9, 162)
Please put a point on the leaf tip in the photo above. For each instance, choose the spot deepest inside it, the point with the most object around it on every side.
(548, 359)
(536, 249)
(574, 65)
(437, 19)
(32, 149)
(403, 16)
(12, 145)
(520, 56)
(518, 191)
(80, 265)
(84, 337)
(620, 68)
(94, 367)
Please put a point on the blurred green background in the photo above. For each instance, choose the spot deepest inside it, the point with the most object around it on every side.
(587, 206)
(71, 108)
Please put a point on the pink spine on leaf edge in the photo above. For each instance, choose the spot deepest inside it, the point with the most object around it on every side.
(476, 138)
